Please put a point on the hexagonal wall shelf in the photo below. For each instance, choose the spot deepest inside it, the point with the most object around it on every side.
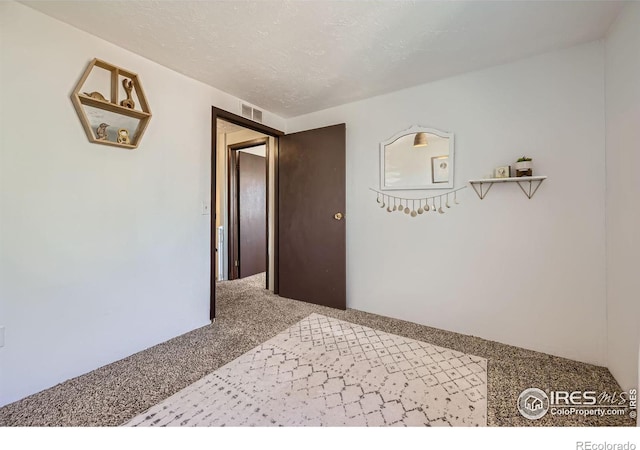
(119, 120)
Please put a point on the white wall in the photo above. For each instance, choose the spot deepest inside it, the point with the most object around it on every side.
(260, 150)
(623, 190)
(103, 251)
(525, 272)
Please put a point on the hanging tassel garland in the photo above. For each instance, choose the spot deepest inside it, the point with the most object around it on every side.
(408, 205)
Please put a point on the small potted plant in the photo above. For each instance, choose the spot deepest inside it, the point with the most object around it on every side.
(524, 167)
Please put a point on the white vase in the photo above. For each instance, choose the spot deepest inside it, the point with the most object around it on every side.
(524, 165)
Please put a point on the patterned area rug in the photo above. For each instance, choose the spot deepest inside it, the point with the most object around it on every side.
(327, 372)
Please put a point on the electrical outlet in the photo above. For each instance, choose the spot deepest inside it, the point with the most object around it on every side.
(1, 337)
(206, 208)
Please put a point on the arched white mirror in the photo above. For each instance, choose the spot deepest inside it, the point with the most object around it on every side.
(417, 158)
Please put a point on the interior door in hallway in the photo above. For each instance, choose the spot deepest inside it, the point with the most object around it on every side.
(252, 214)
(311, 216)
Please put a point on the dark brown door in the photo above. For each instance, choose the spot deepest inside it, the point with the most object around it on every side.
(311, 222)
(252, 214)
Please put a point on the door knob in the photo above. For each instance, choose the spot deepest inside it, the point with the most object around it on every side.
(338, 216)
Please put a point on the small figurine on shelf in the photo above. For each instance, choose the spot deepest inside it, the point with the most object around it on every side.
(524, 167)
(101, 132)
(123, 136)
(128, 102)
(502, 172)
(95, 94)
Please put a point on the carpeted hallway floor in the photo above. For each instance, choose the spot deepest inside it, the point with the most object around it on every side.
(249, 315)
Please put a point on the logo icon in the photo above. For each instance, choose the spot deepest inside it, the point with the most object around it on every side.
(533, 403)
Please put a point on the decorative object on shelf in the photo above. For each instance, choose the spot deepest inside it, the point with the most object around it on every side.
(123, 136)
(526, 184)
(406, 160)
(440, 169)
(128, 87)
(417, 206)
(502, 172)
(101, 131)
(524, 167)
(94, 109)
(95, 94)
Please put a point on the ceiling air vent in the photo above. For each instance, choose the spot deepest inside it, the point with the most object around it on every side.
(257, 115)
(246, 110)
(250, 112)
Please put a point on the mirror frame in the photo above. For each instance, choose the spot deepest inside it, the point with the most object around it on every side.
(412, 130)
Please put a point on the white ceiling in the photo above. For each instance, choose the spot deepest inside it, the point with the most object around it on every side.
(295, 57)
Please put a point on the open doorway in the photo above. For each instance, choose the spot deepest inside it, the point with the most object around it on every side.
(307, 239)
(243, 236)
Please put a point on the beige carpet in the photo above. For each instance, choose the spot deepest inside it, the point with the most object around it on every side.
(249, 315)
(327, 372)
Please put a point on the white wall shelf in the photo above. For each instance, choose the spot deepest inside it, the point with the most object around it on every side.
(527, 184)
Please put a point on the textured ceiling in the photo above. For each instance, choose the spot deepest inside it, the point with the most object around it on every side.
(295, 57)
